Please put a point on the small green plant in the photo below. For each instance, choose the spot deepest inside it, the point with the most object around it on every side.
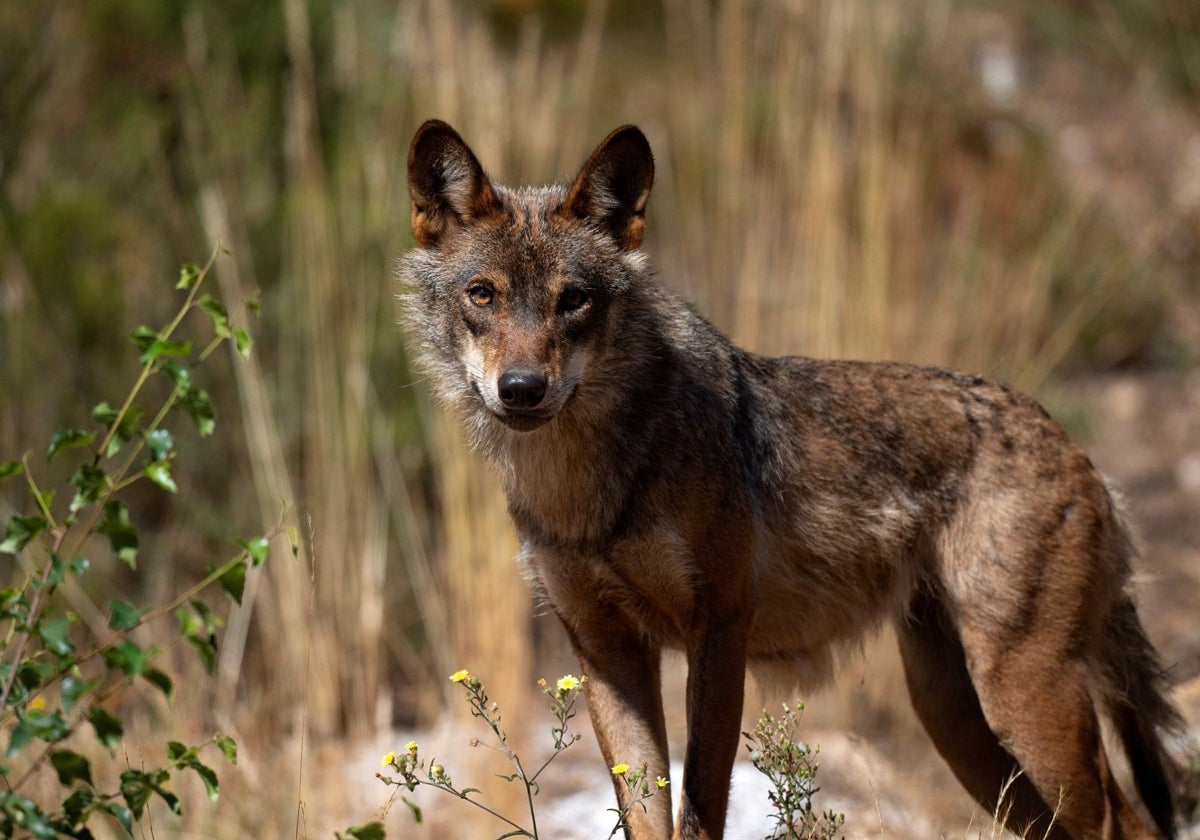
(415, 770)
(791, 767)
(59, 675)
(637, 783)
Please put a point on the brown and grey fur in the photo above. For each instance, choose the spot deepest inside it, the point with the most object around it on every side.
(671, 490)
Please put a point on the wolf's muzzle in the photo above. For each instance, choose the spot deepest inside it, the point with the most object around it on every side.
(521, 389)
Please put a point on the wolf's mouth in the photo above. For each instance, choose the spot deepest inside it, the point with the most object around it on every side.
(526, 422)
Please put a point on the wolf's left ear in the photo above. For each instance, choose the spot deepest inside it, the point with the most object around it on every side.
(448, 187)
(614, 185)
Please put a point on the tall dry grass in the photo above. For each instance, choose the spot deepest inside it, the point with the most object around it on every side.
(830, 182)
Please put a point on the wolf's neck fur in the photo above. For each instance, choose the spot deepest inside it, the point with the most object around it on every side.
(577, 480)
(571, 480)
(560, 489)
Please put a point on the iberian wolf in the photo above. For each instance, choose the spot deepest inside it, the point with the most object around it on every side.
(671, 490)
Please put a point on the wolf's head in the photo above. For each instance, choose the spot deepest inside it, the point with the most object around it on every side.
(514, 293)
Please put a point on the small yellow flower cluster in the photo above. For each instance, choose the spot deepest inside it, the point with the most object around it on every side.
(661, 782)
(567, 683)
(620, 769)
(389, 758)
(460, 675)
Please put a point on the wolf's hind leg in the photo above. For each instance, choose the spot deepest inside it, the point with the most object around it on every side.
(946, 703)
(1032, 674)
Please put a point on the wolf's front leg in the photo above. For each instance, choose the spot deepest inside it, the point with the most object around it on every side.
(716, 684)
(624, 697)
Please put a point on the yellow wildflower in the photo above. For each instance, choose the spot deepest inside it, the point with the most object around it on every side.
(411, 746)
(388, 758)
(661, 782)
(567, 683)
(37, 703)
(460, 675)
(620, 769)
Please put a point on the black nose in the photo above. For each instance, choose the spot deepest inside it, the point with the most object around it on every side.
(521, 389)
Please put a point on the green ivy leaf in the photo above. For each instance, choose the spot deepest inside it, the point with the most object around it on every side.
(206, 648)
(107, 726)
(157, 781)
(144, 337)
(127, 657)
(20, 737)
(126, 430)
(216, 310)
(50, 728)
(228, 747)
(161, 443)
(178, 752)
(59, 568)
(31, 674)
(160, 681)
(418, 817)
(55, 634)
(71, 767)
(209, 777)
(136, 789)
(76, 806)
(89, 482)
(122, 536)
(122, 615)
(27, 815)
(204, 611)
(233, 581)
(372, 831)
(189, 623)
(187, 758)
(189, 275)
(72, 689)
(241, 340)
(196, 404)
(121, 814)
(161, 348)
(105, 413)
(178, 374)
(160, 473)
(257, 549)
(19, 531)
(68, 438)
(13, 604)
(8, 468)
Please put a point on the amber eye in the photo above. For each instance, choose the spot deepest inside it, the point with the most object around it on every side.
(480, 295)
(572, 299)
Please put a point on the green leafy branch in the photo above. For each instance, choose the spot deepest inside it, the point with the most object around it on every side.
(51, 686)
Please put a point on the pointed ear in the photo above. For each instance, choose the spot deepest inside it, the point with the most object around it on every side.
(614, 185)
(446, 183)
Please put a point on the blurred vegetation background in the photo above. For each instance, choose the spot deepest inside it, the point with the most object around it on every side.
(1011, 188)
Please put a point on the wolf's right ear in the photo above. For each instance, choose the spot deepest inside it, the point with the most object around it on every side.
(614, 185)
(448, 187)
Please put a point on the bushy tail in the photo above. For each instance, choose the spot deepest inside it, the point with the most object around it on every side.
(1138, 707)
